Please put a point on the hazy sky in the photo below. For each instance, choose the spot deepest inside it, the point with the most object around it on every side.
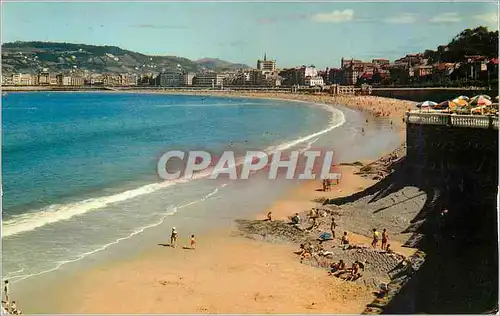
(292, 33)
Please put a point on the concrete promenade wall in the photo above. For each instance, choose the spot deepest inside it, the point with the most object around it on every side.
(454, 145)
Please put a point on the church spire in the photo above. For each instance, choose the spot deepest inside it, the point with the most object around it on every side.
(265, 56)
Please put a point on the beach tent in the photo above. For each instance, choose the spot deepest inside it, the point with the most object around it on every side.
(426, 104)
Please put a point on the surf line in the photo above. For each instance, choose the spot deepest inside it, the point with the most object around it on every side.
(55, 213)
(134, 233)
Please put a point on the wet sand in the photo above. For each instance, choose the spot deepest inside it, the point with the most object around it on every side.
(232, 274)
(225, 274)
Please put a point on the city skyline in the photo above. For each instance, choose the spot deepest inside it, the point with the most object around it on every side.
(292, 33)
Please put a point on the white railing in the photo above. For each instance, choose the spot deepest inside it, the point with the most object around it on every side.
(474, 121)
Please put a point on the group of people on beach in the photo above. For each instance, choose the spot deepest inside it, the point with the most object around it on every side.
(8, 306)
(385, 238)
(174, 236)
(327, 184)
(338, 269)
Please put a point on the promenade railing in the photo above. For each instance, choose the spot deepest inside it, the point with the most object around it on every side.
(456, 120)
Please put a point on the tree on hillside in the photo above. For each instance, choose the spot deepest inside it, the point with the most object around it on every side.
(478, 41)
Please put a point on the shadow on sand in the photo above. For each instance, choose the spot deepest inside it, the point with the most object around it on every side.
(460, 272)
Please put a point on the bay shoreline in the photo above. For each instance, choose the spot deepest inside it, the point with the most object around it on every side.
(225, 252)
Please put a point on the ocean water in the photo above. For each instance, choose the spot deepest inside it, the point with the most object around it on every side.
(79, 169)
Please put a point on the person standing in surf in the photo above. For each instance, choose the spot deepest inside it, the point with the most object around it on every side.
(173, 237)
(6, 291)
(192, 242)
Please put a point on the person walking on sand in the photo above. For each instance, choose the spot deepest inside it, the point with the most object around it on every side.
(192, 242)
(375, 238)
(173, 237)
(385, 238)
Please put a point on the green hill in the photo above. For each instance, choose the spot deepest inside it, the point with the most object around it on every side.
(30, 57)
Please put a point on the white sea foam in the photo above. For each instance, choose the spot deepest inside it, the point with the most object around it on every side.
(54, 213)
(18, 278)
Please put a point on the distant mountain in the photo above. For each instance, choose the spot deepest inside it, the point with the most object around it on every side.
(30, 57)
(215, 63)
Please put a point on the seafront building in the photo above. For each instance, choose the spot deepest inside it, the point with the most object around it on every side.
(208, 79)
(316, 81)
(170, 79)
(187, 78)
(412, 68)
(266, 65)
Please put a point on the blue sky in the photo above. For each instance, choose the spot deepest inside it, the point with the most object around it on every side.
(292, 33)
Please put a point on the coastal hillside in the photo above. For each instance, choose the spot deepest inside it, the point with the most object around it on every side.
(29, 57)
(215, 63)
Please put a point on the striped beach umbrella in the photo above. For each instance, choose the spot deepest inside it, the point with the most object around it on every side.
(481, 100)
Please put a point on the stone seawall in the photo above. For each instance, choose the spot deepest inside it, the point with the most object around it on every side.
(457, 167)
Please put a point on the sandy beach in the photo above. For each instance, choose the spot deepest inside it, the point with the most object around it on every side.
(230, 273)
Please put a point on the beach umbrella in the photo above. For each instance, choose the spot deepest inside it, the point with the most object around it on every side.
(481, 100)
(426, 104)
(463, 97)
(460, 102)
(444, 105)
(482, 96)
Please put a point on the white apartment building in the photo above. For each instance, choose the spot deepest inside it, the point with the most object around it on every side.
(187, 78)
(23, 80)
(305, 72)
(7, 80)
(70, 80)
(128, 79)
(314, 81)
(64, 80)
